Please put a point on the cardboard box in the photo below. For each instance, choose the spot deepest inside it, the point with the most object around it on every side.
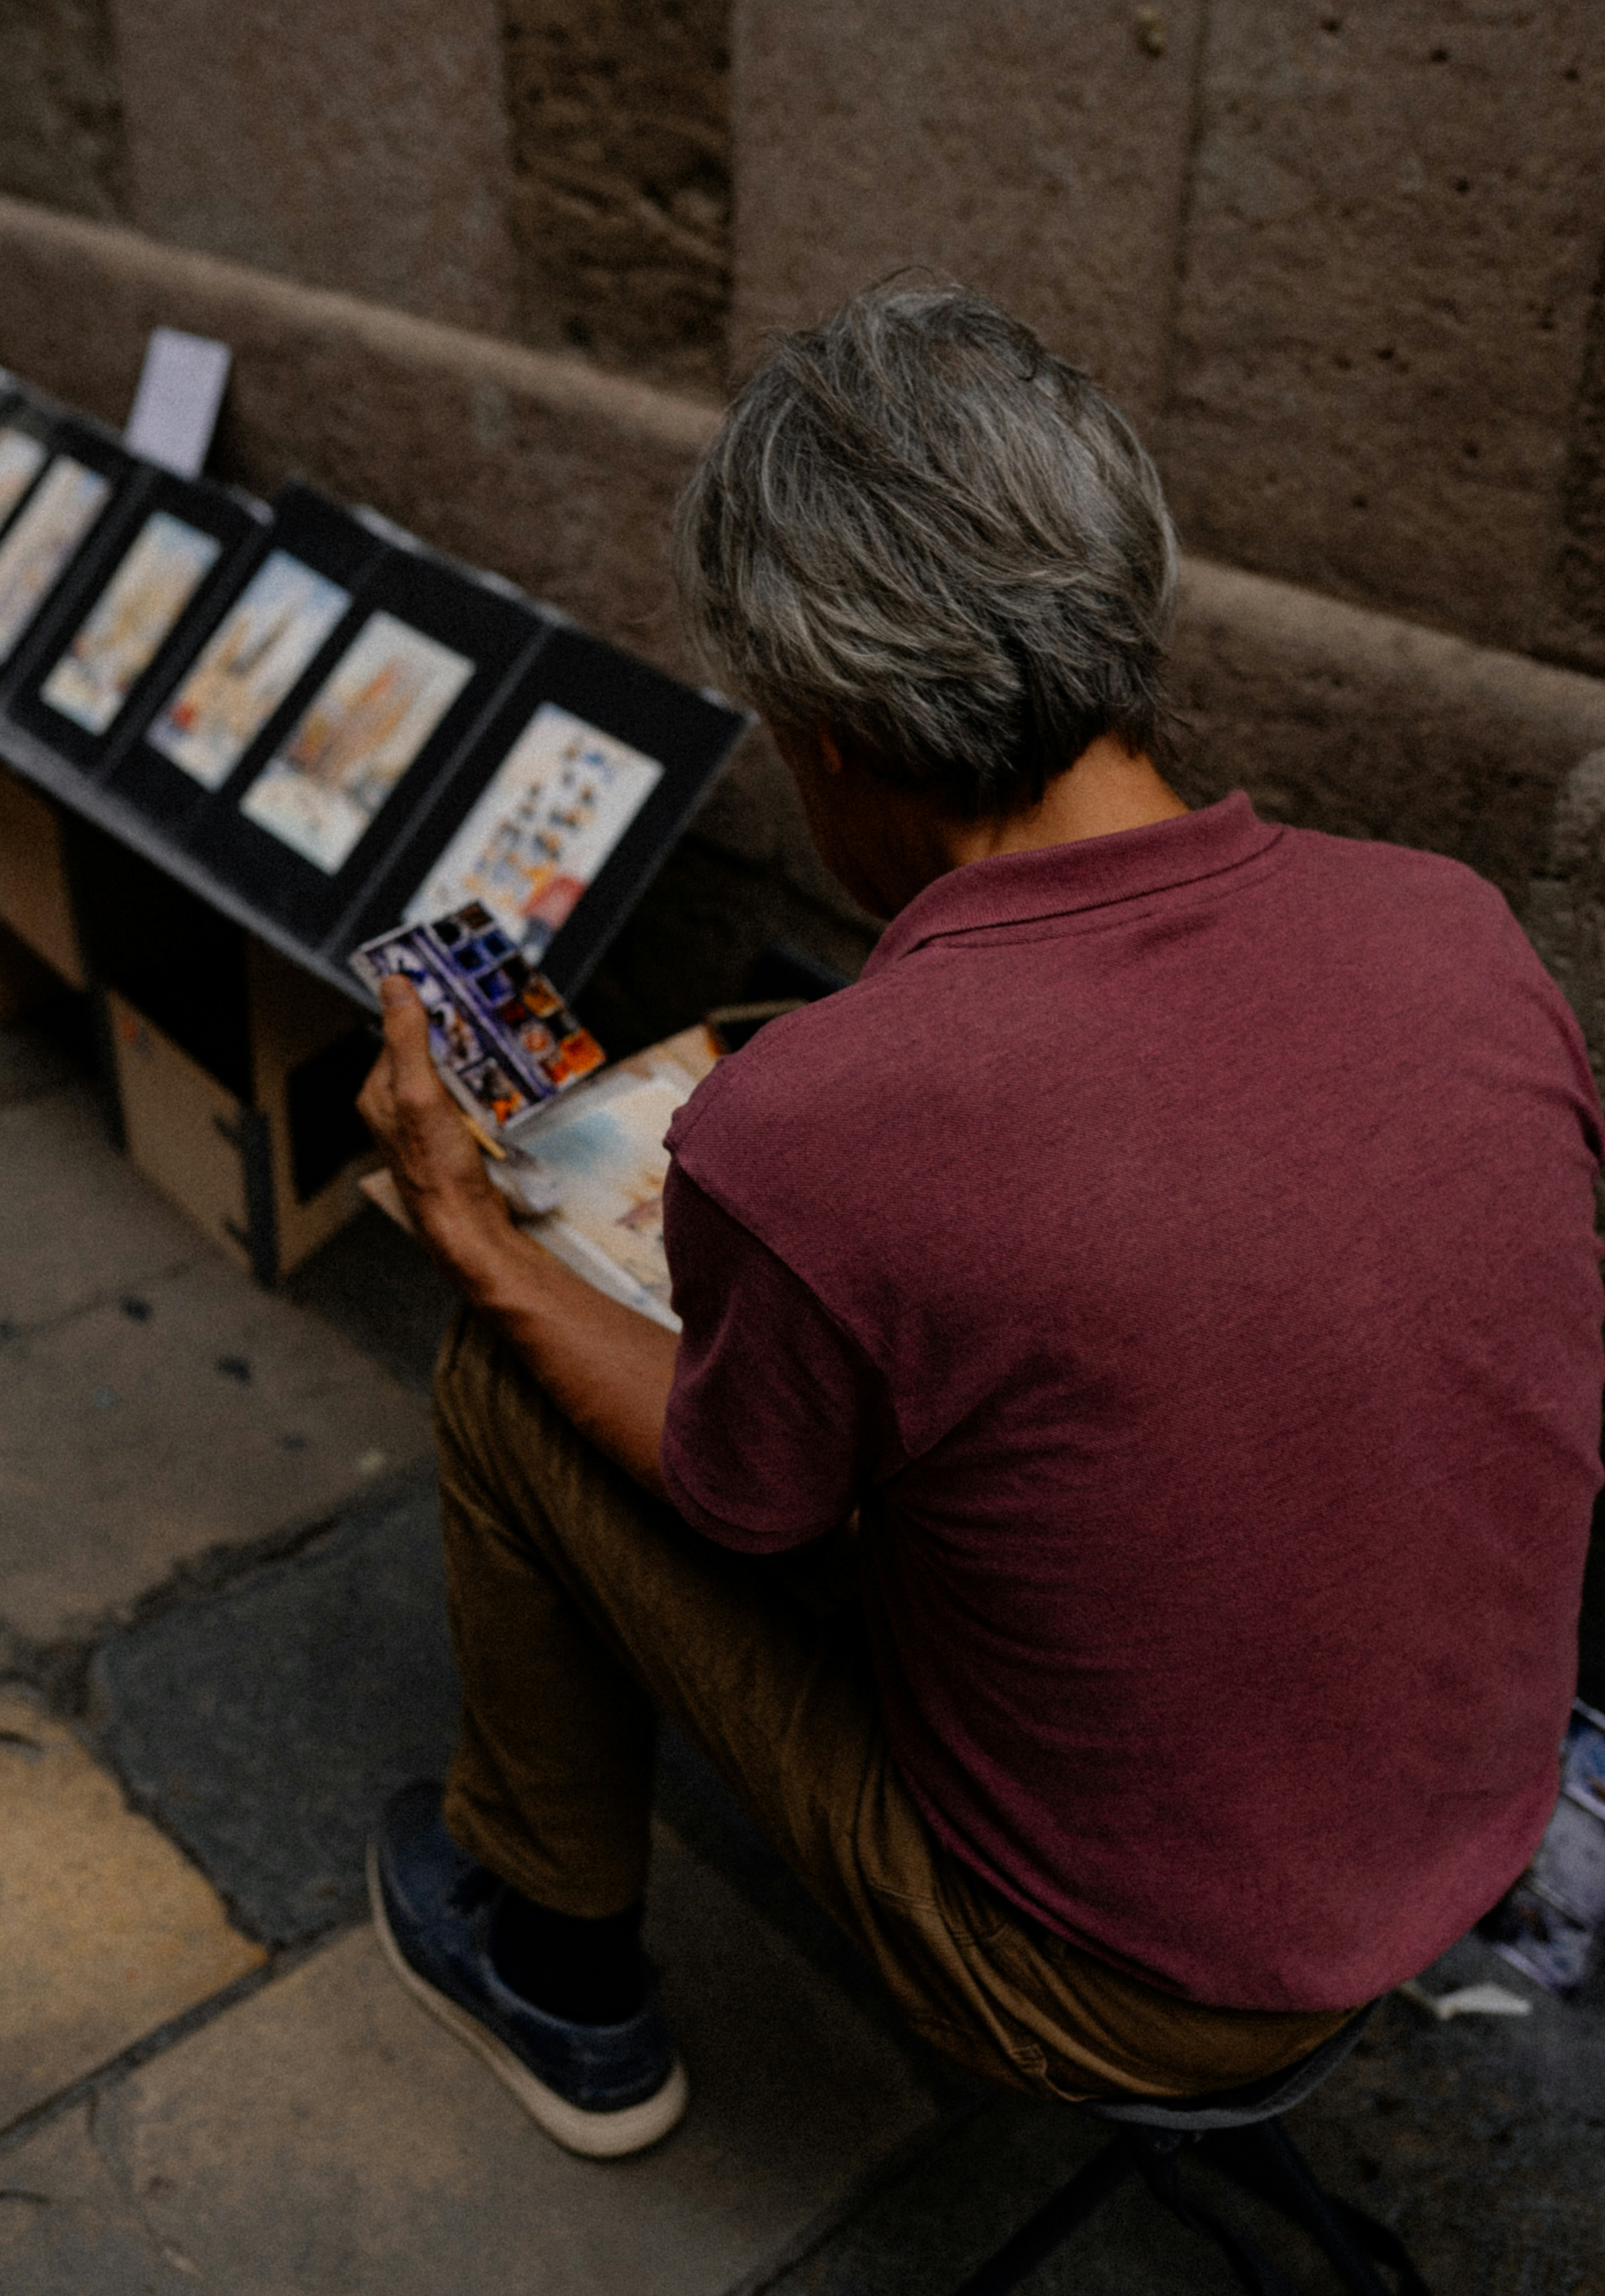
(25, 980)
(35, 903)
(268, 1179)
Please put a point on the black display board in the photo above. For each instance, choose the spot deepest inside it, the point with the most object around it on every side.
(25, 428)
(563, 808)
(140, 624)
(246, 653)
(388, 704)
(325, 727)
(75, 522)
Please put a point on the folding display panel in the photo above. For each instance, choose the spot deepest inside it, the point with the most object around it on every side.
(241, 656)
(25, 428)
(183, 561)
(333, 780)
(561, 814)
(77, 518)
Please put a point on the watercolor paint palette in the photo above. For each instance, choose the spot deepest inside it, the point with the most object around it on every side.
(504, 1043)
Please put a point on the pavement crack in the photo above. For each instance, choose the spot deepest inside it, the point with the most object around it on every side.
(124, 2183)
(14, 1334)
(16, 2192)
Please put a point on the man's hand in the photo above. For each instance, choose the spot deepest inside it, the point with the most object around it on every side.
(607, 1368)
(419, 1130)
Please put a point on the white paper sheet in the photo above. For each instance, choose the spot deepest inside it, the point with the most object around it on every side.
(175, 409)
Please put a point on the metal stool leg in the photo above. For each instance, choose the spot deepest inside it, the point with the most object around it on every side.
(1087, 2192)
(1265, 2161)
(1161, 2170)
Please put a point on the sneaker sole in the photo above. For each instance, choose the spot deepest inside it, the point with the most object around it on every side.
(598, 2136)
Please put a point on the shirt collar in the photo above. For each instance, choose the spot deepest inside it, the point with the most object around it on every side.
(1053, 881)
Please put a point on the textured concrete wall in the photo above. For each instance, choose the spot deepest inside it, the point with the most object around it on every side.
(1038, 151)
(60, 115)
(1339, 261)
(1565, 910)
(360, 145)
(619, 114)
(1330, 716)
(1397, 217)
(1339, 718)
(1571, 617)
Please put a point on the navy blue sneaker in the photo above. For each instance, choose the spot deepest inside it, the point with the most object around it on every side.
(603, 2090)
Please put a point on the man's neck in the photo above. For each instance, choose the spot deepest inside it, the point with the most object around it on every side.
(1106, 790)
(887, 843)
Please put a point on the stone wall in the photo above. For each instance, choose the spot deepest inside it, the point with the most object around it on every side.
(562, 476)
(1396, 221)
(1038, 151)
(60, 113)
(619, 114)
(553, 170)
(1343, 265)
(355, 146)
(1339, 261)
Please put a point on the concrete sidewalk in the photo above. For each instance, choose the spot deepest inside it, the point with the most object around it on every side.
(221, 1645)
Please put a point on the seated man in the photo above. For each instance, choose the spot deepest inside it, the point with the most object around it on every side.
(1160, 1295)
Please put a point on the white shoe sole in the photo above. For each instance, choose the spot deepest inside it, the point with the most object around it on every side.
(599, 2135)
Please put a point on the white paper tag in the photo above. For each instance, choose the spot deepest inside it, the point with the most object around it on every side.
(175, 406)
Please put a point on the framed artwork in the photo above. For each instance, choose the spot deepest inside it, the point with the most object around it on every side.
(24, 451)
(332, 782)
(185, 550)
(358, 735)
(563, 809)
(255, 640)
(68, 519)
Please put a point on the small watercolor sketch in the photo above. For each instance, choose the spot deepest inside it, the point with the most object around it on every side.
(67, 503)
(358, 736)
(134, 613)
(547, 821)
(21, 459)
(607, 1152)
(264, 643)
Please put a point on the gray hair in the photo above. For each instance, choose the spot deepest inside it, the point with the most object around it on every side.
(918, 528)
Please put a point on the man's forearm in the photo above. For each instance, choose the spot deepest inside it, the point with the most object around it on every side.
(606, 1367)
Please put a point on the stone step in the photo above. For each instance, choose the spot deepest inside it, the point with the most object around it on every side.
(326, 2136)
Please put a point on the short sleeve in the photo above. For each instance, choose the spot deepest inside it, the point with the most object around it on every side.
(777, 1419)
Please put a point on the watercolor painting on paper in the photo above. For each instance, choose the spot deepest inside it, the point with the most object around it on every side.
(264, 645)
(549, 818)
(21, 459)
(365, 726)
(134, 613)
(33, 556)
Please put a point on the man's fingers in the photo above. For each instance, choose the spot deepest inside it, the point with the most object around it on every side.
(375, 1100)
(406, 1035)
(406, 1029)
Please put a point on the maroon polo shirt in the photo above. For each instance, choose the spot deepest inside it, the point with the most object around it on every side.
(1180, 1245)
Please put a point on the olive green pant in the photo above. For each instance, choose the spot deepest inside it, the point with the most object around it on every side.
(582, 1609)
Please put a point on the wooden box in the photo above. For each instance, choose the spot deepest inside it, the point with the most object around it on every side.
(35, 903)
(271, 1177)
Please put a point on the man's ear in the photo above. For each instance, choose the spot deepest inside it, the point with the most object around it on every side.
(829, 752)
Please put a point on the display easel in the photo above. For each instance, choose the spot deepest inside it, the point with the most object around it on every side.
(235, 1036)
